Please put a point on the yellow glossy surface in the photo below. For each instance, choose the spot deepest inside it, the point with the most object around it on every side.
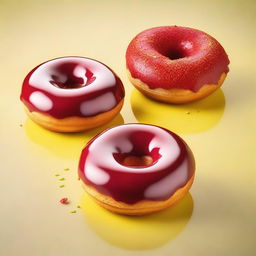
(216, 218)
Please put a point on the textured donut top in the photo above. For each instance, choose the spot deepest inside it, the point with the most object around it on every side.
(101, 164)
(176, 57)
(71, 86)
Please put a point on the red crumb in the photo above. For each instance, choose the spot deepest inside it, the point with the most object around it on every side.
(64, 200)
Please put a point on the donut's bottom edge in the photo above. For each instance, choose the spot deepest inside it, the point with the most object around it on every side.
(175, 96)
(140, 208)
(75, 123)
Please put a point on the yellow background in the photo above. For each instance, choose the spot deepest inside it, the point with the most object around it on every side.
(216, 218)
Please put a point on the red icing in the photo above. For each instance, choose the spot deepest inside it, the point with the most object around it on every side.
(67, 106)
(130, 187)
(176, 57)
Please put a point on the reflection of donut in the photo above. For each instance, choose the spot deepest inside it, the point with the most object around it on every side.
(187, 118)
(72, 94)
(138, 233)
(53, 141)
(137, 168)
(176, 64)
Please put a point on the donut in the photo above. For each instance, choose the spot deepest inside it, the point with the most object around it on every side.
(136, 169)
(176, 64)
(72, 94)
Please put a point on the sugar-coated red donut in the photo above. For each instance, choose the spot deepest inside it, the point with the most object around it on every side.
(176, 64)
(137, 169)
(71, 94)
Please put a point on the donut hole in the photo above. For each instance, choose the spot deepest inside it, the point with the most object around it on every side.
(175, 54)
(71, 76)
(140, 156)
(134, 161)
(177, 50)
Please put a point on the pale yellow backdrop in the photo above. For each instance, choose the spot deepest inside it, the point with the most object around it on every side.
(216, 218)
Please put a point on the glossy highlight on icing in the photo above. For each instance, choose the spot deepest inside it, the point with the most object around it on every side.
(173, 57)
(71, 86)
(101, 163)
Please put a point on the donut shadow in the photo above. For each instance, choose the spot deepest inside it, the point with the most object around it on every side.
(137, 232)
(188, 118)
(67, 145)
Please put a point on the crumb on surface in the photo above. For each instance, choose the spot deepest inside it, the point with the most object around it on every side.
(64, 200)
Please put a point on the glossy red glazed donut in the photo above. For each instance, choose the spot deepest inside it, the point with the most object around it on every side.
(72, 94)
(176, 64)
(137, 169)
